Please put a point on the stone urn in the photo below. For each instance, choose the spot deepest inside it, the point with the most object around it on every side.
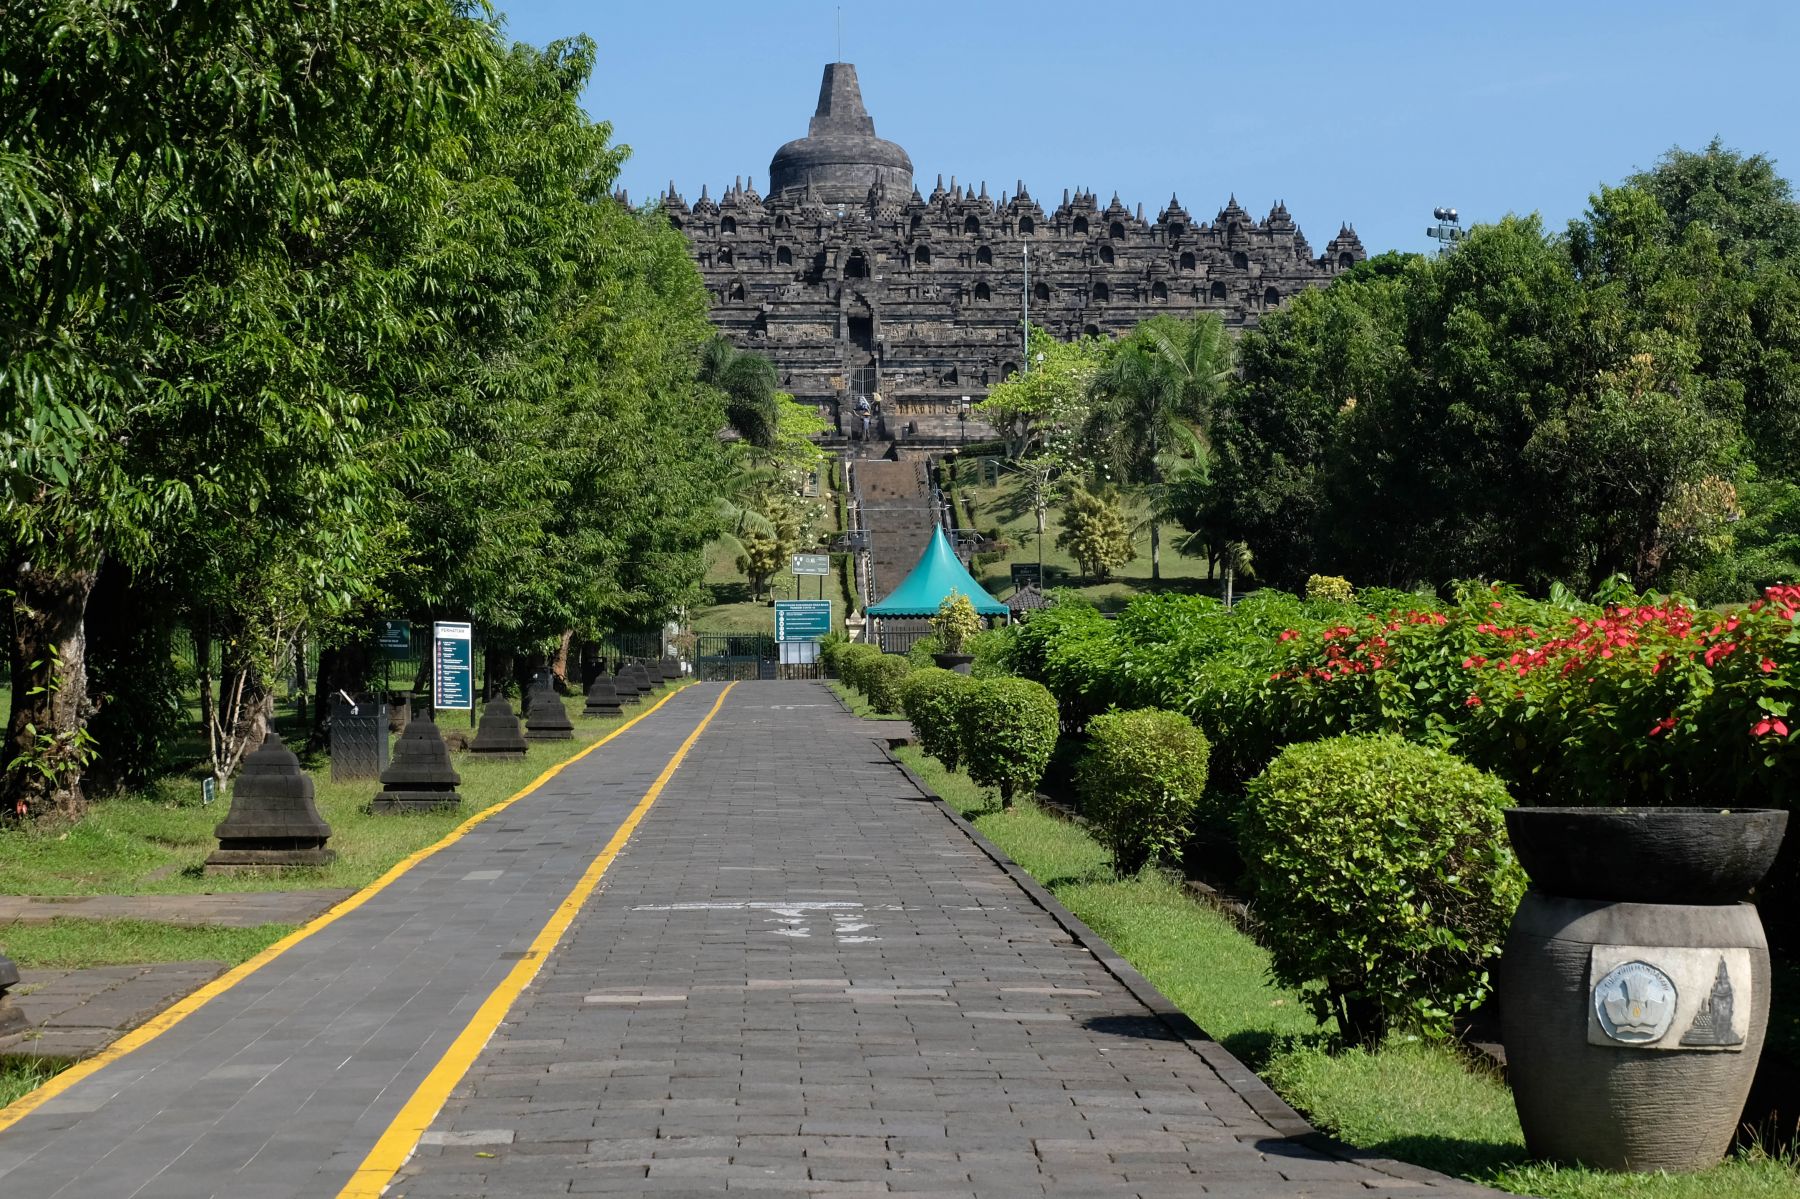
(960, 663)
(1634, 985)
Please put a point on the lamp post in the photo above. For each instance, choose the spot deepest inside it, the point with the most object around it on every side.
(1448, 230)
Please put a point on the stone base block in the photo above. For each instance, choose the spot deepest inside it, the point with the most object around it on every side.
(501, 755)
(550, 734)
(608, 710)
(415, 801)
(12, 1018)
(238, 861)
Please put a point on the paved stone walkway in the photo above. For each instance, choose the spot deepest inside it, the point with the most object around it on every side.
(800, 978)
(77, 1013)
(233, 909)
(805, 979)
(278, 1087)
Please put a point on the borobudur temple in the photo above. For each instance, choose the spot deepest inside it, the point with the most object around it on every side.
(856, 285)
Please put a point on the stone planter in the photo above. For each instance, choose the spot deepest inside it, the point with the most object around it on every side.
(960, 663)
(1635, 985)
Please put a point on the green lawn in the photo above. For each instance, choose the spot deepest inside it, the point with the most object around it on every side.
(856, 703)
(1005, 508)
(1411, 1101)
(154, 841)
(80, 944)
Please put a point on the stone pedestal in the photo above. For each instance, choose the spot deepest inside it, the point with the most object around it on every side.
(12, 1019)
(545, 717)
(603, 700)
(420, 778)
(499, 735)
(625, 682)
(273, 822)
(671, 670)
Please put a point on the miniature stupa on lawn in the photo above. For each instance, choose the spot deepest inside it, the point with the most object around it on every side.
(499, 735)
(545, 717)
(603, 699)
(420, 778)
(273, 822)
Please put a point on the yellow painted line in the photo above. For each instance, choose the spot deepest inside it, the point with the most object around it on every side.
(397, 1143)
(169, 1017)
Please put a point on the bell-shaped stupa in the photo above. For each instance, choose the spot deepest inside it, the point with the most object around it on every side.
(840, 158)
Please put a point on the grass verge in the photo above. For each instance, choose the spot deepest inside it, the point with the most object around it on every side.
(19, 1076)
(80, 944)
(153, 842)
(856, 702)
(1411, 1101)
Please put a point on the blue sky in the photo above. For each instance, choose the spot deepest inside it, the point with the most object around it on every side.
(1371, 114)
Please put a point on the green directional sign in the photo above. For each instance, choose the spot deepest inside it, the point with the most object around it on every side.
(395, 638)
(802, 620)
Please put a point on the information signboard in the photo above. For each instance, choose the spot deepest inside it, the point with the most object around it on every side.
(802, 620)
(812, 564)
(395, 639)
(1027, 574)
(453, 666)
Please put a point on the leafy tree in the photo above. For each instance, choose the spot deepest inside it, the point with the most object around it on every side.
(183, 207)
(1153, 402)
(1095, 531)
(1033, 408)
(748, 382)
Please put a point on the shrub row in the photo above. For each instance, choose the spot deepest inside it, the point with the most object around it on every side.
(865, 668)
(1002, 730)
(1640, 700)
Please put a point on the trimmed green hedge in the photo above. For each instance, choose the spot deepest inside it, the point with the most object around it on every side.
(1381, 868)
(852, 661)
(1009, 731)
(1140, 781)
(932, 699)
(882, 675)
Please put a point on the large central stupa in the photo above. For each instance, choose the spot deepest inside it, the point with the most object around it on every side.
(840, 156)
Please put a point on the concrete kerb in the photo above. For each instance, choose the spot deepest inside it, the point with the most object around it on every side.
(1282, 1118)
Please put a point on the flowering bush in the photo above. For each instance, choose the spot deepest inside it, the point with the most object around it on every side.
(1637, 701)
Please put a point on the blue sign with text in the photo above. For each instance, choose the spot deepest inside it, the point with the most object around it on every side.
(453, 666)
(802, 620)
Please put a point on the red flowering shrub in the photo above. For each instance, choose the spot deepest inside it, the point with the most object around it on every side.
(1641, 702)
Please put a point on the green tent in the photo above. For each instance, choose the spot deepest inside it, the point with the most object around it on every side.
(938, 574)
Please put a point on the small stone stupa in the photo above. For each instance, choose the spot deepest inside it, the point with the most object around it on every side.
(273, 821)
(420, 778)
(12, 1018)
(641, 676)
(499, 735)
(545, 717)
(671, 670)
(626, 684)
(603, 699)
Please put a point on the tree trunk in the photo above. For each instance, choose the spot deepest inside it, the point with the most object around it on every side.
(1155, 551)
(46, 733)
(559, 666)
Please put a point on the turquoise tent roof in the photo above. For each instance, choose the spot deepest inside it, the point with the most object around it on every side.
(938, 573)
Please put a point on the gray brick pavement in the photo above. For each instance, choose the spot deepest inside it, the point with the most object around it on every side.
(280, 1086)
(803, 979)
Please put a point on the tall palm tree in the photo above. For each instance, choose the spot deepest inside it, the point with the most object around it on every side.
(1154, 400)
(749, 382)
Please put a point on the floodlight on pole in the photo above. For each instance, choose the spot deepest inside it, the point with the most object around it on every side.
(1448, 230)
